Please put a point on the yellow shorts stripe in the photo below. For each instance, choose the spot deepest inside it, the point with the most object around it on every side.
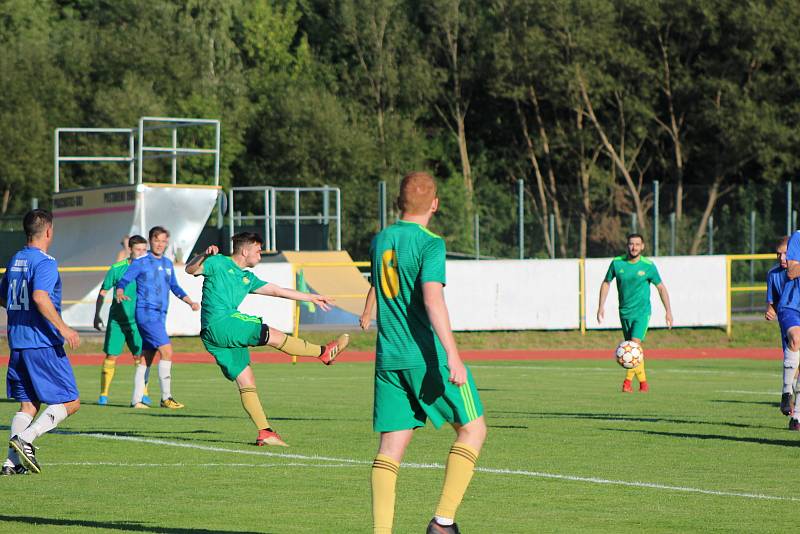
(469, 403)
(246, 318)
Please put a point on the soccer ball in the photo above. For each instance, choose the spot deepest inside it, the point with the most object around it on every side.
(629, 354)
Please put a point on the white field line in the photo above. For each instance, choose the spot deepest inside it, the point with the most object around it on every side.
(349, 462)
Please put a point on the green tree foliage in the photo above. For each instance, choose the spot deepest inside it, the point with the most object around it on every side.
(586, 101)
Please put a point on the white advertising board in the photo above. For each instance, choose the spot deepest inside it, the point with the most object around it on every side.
(513, 294)
(696, 287)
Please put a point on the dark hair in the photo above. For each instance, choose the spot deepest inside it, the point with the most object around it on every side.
(136, 240)
(631, 236)
(245, 238)
(155, 231)
(36, 221)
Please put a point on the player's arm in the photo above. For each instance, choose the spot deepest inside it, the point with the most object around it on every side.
(662, 292)
(130, 275)
(274, 290)
(601, 312)
(101, 297)
(369, 304)
(3, 291)
(49, 312)
(793, 269)
(178, 291)
(436, 307)
(195, 265)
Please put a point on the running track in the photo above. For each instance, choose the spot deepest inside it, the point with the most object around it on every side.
(471, 355)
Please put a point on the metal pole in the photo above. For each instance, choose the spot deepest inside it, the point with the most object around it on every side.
(521, 217)
(477, 237)
(174, 156)
(132, 155)
(552, 236)
(382, 204)
(711, 234)
(788, 208)
(672, 234)
(297, 219)
(338, 219)
(752, 251)
(655, 217)
(55, 163)
(634, 223)
(220, 220)
(230, 221)
(273, 205)
(216, 154)
(794, 221)
(34, 203)
(140, 162)
(266, 217)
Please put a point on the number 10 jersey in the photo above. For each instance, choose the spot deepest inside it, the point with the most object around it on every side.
(404, 256)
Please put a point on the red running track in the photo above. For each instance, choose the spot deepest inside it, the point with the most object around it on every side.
(471, 355)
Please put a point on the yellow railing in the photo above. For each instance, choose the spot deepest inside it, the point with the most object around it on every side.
(730, 289)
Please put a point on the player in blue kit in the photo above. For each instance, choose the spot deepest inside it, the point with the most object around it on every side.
(155, 278)
(38, 368)
(776, 281)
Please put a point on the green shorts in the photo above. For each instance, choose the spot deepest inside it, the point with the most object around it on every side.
(228, 340)
(118, 334)
(635, 327)
(406, 398)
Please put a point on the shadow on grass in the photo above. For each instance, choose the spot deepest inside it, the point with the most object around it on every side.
(127, 526)
(161, 413)
(757, 403)
(794, 443)
(509, 426)
(620, 417)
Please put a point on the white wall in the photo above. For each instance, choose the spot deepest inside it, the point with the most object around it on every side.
(513, 294)
(696, 286)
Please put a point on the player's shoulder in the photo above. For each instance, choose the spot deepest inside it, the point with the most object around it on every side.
(621, 257)
(120, 264)
(648, 261)
(777, 270)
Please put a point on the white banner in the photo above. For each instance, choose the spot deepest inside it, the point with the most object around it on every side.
(513, 294)
(696, 287)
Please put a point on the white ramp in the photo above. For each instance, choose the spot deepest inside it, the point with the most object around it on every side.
(90, 223)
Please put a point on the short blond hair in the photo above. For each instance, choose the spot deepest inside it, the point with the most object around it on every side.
(417, 193)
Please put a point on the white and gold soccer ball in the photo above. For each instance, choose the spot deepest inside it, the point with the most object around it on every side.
(629, 354)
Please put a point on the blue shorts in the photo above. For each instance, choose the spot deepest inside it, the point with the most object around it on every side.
(41, 375)
(153, 329)
(788, 318)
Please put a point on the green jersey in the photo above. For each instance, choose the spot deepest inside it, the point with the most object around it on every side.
(633, 284)
(224, 287)
(404, 256)
(125, 311)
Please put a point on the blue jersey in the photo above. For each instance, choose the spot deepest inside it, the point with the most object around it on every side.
(776, 280)
(790, 298)
(31, 270)
(155, 278)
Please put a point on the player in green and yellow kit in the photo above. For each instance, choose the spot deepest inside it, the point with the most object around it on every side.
(419, 374)
(121, 328)
(634, 274)
(227, 333)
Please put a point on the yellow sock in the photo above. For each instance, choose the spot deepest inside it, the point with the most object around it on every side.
(384, 479)
(629, 374)
(458, 473)
(640, 374)
(107, 374)
(294, 346)
(252, 405)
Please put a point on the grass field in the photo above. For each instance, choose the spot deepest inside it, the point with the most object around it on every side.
(705, 450)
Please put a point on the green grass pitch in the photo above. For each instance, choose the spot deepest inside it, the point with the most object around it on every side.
(705, 451)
